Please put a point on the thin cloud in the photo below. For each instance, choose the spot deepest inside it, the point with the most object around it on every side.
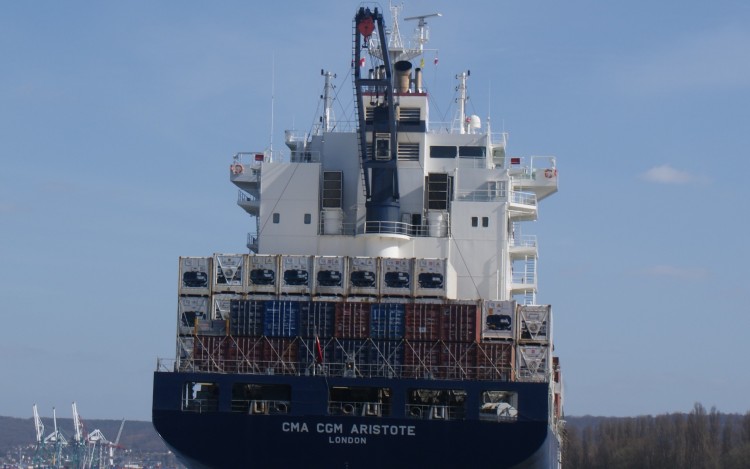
(666, 174)
(682, 273)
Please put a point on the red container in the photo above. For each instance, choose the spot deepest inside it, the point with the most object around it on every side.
(421, 359)
(458, 360)
(209, 353)
(496, 361)
(280, 354)
(352, 321)
(245, 354)
(460, 323)
(423, 322)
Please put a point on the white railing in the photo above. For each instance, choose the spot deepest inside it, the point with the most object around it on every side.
(482, 195)
(523, 198)
(526, 241)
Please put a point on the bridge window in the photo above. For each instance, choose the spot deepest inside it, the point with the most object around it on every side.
(276, 217)
(441, 151)
(472, 152)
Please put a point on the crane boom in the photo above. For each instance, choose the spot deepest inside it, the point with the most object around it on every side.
(379, 164)
(38, 425)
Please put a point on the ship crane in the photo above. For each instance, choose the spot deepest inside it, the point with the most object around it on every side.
(379, 155)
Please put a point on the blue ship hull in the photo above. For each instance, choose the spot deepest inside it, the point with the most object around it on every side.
(308, 437)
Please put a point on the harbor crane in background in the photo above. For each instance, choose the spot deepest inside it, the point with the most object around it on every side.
(86, 450)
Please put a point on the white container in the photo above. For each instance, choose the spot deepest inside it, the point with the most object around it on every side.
(330, 276)
(195, 276)
(534, 323)
(430, 277)
(221, 304)
(498, 319)
(229, 273)
(396, 276)
(262, 274)
(532, 362)
(296, 275)
(189, 310)
(363, 278)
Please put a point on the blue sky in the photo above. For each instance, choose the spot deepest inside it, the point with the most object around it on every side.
(118, 121)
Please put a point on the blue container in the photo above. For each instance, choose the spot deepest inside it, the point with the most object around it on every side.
(387, 354)
(281, 318)
(316, 320)
(387, 321)
(246, 318)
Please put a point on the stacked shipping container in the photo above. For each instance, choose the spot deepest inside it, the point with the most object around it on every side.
(223, 328)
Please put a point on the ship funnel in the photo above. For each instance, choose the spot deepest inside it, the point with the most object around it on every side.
(418, 80)
(403, 75)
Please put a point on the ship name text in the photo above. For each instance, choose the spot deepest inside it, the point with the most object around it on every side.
(357, 433)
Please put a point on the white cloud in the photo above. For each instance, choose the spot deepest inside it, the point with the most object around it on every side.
(666, 174)
(684, 273)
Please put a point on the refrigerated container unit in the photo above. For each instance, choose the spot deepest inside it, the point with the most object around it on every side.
(185, 348)
(498, 320)
(229, 273)
(281, 318)
(296, 275)
(330, 276)
(534, 323)
(387, 320)
(221, 304)
(262, 274)
(246, 317)
(364, 276)
(396, 276)
(532, 362)
(430, 277)
(189, 310)
(195, 276)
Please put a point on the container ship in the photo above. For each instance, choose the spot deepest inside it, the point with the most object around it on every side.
(385, 313)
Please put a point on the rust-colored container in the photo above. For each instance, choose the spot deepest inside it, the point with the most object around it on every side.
(209, 353)
(280, 355)
(460, 323)
(245, 354)
(421, 359)
(423, 322)
(496, 361)
(458, 360)
(352, 321)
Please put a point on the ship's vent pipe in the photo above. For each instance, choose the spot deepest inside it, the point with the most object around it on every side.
(403, 75)
(418, 80)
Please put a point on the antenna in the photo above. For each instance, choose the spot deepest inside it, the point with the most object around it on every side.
(423, 33)
(273, 88)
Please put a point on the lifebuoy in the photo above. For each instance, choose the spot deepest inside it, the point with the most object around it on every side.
(550, 172)
(236, 168)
